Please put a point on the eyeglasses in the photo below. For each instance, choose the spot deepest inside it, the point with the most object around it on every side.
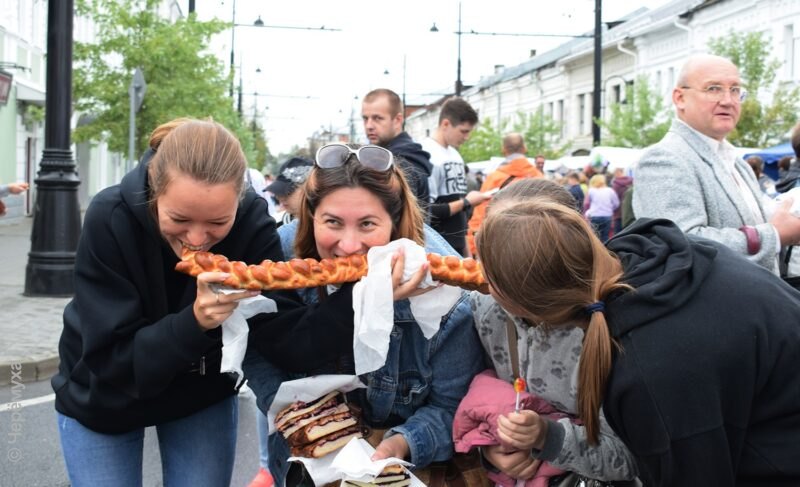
(716, 93)
(371, 156)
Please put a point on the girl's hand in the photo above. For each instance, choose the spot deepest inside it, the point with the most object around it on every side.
(403, 290)
(524, 430)
(394, 446)
(210, 308)
(517, 464)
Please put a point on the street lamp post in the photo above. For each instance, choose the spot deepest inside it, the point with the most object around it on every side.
(56, 218)
(598, 66)
(433, 28)
(404, 91)
(233, 39)
(459, 86)
(459, 32)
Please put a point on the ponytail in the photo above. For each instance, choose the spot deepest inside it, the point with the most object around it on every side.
(596, 354)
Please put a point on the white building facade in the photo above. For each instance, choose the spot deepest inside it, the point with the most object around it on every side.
(23, 49)
(23, 29)
(654, 43)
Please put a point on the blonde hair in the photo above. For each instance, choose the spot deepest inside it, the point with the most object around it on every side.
(389, 186)
(597, 181)
(544, 263)
(201, 149)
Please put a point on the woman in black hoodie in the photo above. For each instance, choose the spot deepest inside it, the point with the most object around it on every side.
(691, 350)
(141, 344)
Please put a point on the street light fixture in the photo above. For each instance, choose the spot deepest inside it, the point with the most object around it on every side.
(458, 65)
(258, 23)
(459, 32)
(598, 56)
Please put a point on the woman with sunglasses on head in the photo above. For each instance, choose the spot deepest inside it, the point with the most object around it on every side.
(141, 344)
(356, 199)
(690, 350)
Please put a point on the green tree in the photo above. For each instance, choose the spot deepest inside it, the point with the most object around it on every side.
(182, 79)
(640, 120)
(484, 142)
(541, 134)
(760, 124)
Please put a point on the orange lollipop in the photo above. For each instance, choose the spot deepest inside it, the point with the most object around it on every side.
(519, 386)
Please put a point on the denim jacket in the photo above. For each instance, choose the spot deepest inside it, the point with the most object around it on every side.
(418, 389)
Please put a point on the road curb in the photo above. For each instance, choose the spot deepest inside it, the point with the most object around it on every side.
(27, 372)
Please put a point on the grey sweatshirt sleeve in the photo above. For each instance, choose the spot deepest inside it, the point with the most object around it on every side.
(609, 460)
(4, 191)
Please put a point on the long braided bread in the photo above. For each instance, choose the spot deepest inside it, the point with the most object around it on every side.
(304, 273)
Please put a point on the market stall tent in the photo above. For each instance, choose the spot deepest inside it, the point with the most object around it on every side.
(771, 156)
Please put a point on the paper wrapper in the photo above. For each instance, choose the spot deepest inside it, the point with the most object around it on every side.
(373, 303)
(352, 463)
(235, 330)
(306, 390)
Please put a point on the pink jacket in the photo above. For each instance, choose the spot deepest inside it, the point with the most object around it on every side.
(475, 422)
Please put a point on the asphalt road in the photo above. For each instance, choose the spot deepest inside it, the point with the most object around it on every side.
(30, 452)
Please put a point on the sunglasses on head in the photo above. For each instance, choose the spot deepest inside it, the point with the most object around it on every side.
(371, 156)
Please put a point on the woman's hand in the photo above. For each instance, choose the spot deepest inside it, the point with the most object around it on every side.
(524, 430)
(403, 290)
(394, 446)
(210, 308)
(517, 464)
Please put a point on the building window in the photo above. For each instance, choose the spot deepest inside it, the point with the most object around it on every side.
(616, 93)
(659, 86)
(670, 79)
(560, 117)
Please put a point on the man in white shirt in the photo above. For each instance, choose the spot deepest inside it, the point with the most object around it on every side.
(450, 201)
(694, 178)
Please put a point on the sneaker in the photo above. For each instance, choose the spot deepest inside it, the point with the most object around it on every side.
(262, 479)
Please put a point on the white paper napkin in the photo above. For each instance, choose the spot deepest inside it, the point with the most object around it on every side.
(352, 462)
(373, 303)
(235, 330)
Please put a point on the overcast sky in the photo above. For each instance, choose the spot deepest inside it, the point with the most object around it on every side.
(309, 78)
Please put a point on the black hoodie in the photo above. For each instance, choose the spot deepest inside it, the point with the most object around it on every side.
(705, 390)
(130, 339)
(416, 165)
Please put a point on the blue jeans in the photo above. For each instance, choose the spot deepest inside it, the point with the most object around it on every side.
(197, 450)
(263, 439)
(602, 226)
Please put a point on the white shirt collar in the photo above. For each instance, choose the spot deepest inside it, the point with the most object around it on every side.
(723, 148)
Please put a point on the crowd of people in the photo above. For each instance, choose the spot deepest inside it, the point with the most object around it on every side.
(656, 327)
